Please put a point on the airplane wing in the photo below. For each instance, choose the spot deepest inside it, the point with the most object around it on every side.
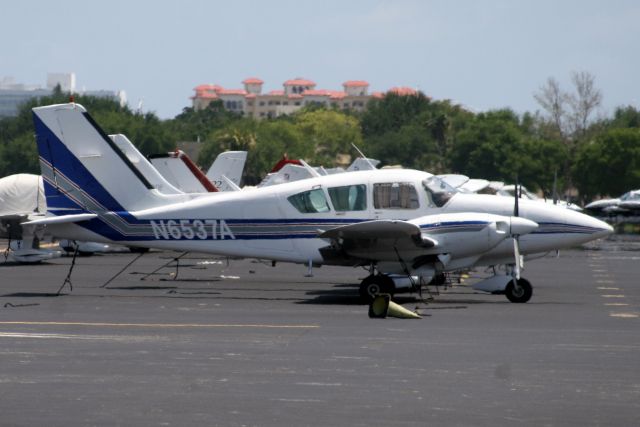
(377, 229)
(377, 239)
(421, 240)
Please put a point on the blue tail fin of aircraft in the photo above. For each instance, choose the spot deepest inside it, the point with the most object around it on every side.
(83, 169)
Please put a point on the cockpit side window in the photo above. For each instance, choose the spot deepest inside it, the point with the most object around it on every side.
(438, 191)
(395, 195)
(349, 198)
(312, 201)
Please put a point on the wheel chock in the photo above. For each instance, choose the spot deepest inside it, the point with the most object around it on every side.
(382, 307)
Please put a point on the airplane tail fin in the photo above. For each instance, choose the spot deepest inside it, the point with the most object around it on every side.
(83, 169)
(181, 172)
(229, 164)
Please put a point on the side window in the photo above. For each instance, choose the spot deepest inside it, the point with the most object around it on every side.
(349, 198)
(395, 195)
(312, 201)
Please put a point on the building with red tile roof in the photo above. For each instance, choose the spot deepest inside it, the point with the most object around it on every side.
(403, 90)
(296, 93)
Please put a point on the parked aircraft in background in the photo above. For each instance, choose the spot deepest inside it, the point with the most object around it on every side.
(22, 195)
(627, 204)
(483, 186)
(466, 185)
(226, 170)
(224, 174)
(393, 221)
(509, 191)
(290, 170)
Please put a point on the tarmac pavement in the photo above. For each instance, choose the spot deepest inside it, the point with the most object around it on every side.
(244, 343)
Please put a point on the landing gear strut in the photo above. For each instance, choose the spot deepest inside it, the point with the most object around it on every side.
(376, 284)
(519, 293)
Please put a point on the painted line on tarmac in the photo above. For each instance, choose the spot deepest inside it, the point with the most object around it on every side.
(79, 337)
(624, 315)
(165, 325)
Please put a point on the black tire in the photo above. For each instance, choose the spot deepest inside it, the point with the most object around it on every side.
(522, 295)
(138, 250)
(374, 285)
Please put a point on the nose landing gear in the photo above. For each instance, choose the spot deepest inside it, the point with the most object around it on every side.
(519, 292)
(376, 284)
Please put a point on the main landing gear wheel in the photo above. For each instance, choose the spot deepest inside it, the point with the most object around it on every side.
(521, 293)
(374, 285)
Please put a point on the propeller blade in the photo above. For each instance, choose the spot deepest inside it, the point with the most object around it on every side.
(516, 196)
(555, 187)
(516, 253)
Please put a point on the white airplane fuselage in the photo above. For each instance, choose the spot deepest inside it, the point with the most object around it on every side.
(395, 217)
(262, 223)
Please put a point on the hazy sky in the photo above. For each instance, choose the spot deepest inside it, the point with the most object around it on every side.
(483, 54)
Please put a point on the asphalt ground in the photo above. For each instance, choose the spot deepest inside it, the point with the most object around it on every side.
(244, 343)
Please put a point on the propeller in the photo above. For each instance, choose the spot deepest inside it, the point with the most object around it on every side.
(516, 237)
(555, 187)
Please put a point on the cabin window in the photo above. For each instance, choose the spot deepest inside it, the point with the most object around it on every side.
(349, 198)
(312, 201)
(438, 192)
(395, 195)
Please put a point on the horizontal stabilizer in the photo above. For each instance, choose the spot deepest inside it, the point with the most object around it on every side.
(232, 185)
(62, 219)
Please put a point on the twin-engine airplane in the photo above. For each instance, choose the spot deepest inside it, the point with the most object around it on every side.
(393, 221)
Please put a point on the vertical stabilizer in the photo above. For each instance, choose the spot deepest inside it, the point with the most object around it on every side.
(83, 169)
(229, 164)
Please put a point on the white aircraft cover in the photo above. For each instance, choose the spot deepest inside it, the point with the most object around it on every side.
(22, 194)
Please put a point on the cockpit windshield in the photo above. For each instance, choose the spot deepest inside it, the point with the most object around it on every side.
(631, 195)
(438, 191)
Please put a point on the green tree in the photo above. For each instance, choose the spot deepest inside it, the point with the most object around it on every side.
(569, 116)
(413, 130)
(392, 112)
(330, 132)
(625, 117)
(609, 165)
(493, 147)
(409, 146)
(192, 125)
(20, 155)
(543, 161)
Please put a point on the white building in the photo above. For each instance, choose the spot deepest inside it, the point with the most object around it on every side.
(67, 81)
(13, 95)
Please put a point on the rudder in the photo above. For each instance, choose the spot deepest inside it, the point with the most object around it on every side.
(82, 168)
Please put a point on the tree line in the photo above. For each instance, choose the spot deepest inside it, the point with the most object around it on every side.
(591, 156)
